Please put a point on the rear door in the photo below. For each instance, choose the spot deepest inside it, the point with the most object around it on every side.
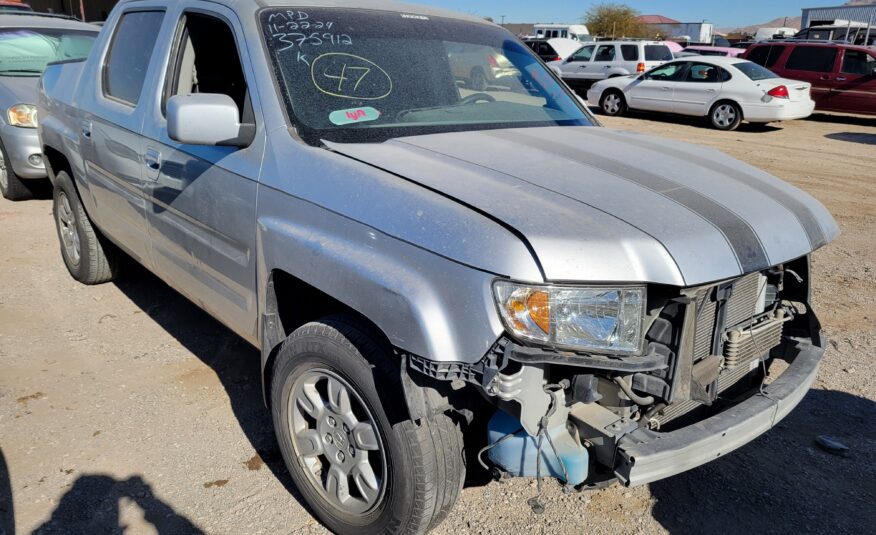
(112, 121)
(203, 198)
(816, 64)
(698, 89)
(578, 64)
(655, 90)
(855, 89)
(605, 57)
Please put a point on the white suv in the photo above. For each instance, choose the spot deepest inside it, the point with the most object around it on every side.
(598, 61)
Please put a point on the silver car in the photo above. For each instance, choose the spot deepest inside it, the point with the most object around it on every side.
(438, 276)
(28, 42)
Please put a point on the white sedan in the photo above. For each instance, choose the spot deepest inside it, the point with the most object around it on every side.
(726, 90)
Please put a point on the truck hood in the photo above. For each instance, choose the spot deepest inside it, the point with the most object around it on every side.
(593, 204)
(18, 90)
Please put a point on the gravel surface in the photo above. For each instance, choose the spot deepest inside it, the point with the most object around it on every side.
(125, 408)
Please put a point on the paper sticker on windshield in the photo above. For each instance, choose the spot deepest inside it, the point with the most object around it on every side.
(354, 115)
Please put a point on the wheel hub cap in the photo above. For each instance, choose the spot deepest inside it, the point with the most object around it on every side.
(725, 115)
(4, 181)
(336, 441)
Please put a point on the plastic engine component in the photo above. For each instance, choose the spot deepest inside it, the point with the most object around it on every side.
(517, 455)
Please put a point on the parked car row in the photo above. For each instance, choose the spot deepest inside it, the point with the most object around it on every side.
(431, 262)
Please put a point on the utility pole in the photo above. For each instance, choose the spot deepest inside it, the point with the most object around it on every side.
(82, 9)
(503, 20)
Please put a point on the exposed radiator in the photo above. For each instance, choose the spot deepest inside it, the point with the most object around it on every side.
(728, 378)
(744, 299)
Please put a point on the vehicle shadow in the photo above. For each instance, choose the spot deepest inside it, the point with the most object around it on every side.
(859, 120)
(236, 363)
(853, 137)
(782, 482)
(92, 506)
(7, 509)
(687, 120)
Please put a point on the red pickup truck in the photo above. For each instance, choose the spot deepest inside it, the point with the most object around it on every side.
(843, 77)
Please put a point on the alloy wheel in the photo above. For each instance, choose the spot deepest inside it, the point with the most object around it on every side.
(69, 233)
(337, 441)
(724, 115)
(612, 103)
(4, 179)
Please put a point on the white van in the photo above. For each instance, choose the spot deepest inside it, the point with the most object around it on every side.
(576, 32)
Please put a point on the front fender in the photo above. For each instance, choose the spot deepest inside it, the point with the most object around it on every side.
(425, 304)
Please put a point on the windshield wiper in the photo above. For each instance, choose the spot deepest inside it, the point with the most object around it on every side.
(23, 71)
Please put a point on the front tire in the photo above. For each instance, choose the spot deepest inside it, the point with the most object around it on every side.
(11, 187)
(357, 471)
(725, 116)
(89, 257)
(613, 103)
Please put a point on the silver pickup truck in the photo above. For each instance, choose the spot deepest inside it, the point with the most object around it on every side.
(437, 275)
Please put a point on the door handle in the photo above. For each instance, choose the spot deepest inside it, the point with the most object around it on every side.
(840, 78)
(152, 159)
(825, 78)
(86, 129)
(710, 90)
(665, 88)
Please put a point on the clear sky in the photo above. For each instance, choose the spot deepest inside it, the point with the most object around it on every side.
(724, 13)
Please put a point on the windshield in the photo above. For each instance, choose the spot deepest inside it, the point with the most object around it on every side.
(26, 51)
(354, 75)
(755, 71)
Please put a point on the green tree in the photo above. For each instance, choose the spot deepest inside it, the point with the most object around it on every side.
(614, 20)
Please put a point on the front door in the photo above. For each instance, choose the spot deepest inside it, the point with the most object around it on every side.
(578, 64)
(110, 133)
(655, 90)
(855, 89)
(203, 198)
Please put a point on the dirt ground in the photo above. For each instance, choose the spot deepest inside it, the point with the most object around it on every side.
(125, 408)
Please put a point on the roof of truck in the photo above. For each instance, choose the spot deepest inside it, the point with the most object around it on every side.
(377, 5)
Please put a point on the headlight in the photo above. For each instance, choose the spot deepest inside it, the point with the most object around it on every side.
(24, 115)
(601, 319)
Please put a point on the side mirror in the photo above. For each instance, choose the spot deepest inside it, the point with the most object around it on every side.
(207, 119)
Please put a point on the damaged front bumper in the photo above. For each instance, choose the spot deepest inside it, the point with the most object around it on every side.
(646, 456)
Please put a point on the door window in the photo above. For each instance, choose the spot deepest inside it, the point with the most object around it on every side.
(129, 54)
(207, 61)
(605, 53)
(583, 55)
(858, 62)
(667, 73)
(703, 73)
(766, 56)
(630, 52)
(812, 59)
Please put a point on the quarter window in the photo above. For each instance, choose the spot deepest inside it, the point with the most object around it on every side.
(129, 55)
(812, 59)
(630, 52)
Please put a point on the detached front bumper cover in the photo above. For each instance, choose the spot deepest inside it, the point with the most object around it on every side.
(666, 454)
